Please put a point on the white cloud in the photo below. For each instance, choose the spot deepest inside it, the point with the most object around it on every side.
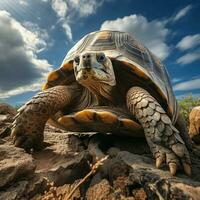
(85, 7)
(23, 2)
(176, 80)
(68, 30)
(187, 85)
(21, 69)
(189, 42)
(60, 7)
(69, 11)
(182, 13)
(189, 58)
(151, 33)
(34, 36)
(19, 90)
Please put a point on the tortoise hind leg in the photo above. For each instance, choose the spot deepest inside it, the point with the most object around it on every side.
(28, 127)
(162, 137)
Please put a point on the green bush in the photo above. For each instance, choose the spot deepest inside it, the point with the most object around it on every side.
(186, 104)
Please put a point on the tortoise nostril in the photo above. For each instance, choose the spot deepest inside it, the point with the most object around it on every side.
(86, 57)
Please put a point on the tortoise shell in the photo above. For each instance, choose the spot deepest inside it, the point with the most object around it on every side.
(133, 65)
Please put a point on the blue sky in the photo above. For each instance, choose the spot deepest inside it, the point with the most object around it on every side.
(35, 36)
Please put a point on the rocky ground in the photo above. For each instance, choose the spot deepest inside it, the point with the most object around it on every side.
(91, 166)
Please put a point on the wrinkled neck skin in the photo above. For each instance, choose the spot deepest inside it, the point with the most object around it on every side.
(103, 92)
(94, 94)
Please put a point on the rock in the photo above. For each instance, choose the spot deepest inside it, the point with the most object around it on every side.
(7, 109)
(3, 117)
(135, 176)
(139, 194)
(67, 172)
(101, 190)
(194, 124)
(14, 164)
(37, 185)
(158, 183)
(61, 161)
(7, 112)
(125, 175)
(64, 160)
(59, 193)
(15, 192)
(5, 132)
(115, 184)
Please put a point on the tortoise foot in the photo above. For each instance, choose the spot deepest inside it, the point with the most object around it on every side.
(163, 138)
(27, 137)
(175, 156)
(28, 127)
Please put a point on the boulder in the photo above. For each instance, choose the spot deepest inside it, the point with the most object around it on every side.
(102, 190)
(62, 162)
(194, 124)
(15, 164)
(159, 184)
(7, 114)
(6, 109)
(16, 191)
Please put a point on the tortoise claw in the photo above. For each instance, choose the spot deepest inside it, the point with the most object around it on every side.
(172, 168)
(187, 169)
(24, 142)
(159, 162)
(26, 139)
(18, 141)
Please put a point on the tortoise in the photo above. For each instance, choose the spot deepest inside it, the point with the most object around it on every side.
(109, 82)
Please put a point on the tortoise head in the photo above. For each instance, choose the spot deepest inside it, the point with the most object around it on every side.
(91, 68)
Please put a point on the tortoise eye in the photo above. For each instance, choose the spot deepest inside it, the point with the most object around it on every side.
(101, 57)
(77, 60)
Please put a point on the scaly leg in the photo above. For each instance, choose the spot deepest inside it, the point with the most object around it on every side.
(163, 138)
(28, 127)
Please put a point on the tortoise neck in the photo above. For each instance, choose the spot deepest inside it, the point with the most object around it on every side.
(104, 93)
(101, 95)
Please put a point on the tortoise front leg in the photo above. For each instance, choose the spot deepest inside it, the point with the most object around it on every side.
(162, 137)
(28, 127)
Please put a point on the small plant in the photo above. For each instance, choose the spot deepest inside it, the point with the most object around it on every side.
(186, 104)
